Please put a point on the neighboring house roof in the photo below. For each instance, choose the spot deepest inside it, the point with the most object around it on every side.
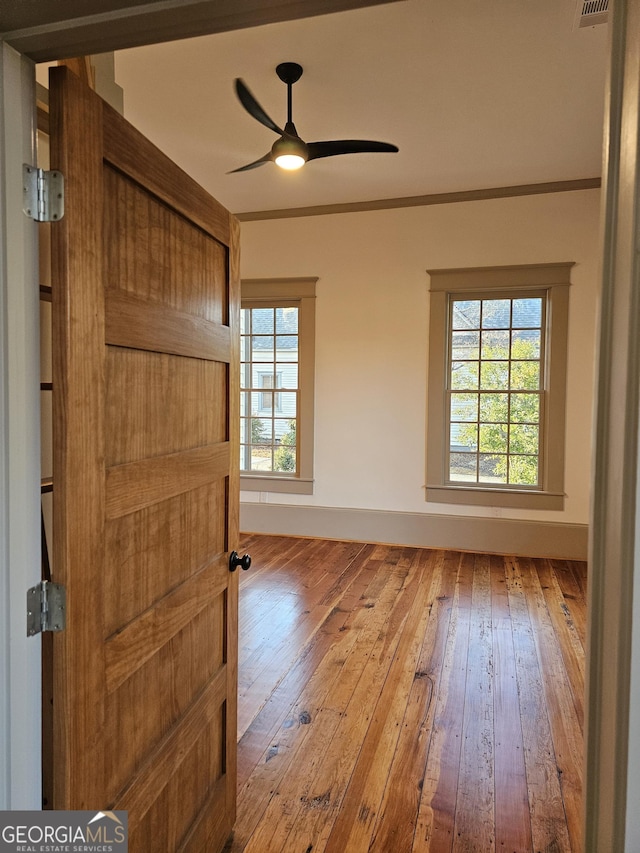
(467, 314)
(262, 328)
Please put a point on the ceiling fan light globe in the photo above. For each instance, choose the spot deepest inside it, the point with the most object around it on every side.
(290, 162)
(290, 153)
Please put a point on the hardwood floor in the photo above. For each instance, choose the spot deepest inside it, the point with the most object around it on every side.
(400, 699)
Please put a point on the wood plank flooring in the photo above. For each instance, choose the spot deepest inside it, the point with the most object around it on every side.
(403, 700)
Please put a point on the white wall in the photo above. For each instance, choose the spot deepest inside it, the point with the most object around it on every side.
(372, 326)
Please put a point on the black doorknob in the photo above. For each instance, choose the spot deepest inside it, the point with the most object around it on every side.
(236, 560)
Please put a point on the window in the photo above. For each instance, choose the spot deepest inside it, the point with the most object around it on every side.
(497, 365)
(277, 341)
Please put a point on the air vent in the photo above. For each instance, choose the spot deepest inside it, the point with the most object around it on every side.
(591, 12)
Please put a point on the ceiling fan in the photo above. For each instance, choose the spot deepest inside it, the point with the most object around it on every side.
(290, 151)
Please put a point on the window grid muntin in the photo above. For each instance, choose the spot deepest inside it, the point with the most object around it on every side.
(480, 327)
(252, 370)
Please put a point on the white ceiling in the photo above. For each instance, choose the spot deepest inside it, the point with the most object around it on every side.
(475, 94)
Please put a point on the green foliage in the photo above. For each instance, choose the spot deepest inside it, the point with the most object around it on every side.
(523, 470)
(284, 458)
(257, 431)
(506, 433)
(289, 438)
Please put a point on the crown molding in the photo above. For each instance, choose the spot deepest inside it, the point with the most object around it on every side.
(423, 200)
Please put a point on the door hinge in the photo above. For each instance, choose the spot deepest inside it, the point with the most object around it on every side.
(43, 194)
(46, 608)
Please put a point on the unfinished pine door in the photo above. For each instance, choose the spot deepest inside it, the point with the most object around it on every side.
(145, 301)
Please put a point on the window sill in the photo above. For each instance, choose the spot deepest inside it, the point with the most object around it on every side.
(285, 485)
(478, 496)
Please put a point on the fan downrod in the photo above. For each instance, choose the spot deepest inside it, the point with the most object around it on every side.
(289, 72)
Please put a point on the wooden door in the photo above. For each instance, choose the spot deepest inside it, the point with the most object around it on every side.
(145, 382)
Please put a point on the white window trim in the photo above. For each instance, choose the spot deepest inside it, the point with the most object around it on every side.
(551, 279)
(262, 292)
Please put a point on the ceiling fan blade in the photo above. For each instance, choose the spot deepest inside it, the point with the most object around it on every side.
(266, 159)
(347, 146)
(253, 107)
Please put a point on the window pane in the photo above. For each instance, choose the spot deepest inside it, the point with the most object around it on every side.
(526, 344)
(492, 469)
(288, 400)
(493, 438)
(495, 345)
(261, 459)
(463, 437)
(244, 430)
(494, 375)
(525, 408)
(244, 403)
(466, 314)
(287, 320)
(284, 459)
(261, 431)
(464, 374)
(463, 467)
(262, 347)
(494, 408)
(245, 317)
(286, 344)
(288, 373)
(523, 438)
(266, 401)
(245, 348)
(525, 375)
(280, 427)
(255, 402)
(523, 470)
(262, 321)
(464, 407)
(285, 452)
(527, 313)
(465, 345)
(496, 313)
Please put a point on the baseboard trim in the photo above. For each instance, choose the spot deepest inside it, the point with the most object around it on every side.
(465, 533)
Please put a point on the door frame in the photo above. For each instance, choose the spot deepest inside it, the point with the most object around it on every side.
(612, 719)
(20, 688)
(612, 607)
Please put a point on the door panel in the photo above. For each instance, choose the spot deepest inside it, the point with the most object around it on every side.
(145, 324)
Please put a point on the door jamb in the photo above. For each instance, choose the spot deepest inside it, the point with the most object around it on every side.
(612, 732)
(20, 675)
